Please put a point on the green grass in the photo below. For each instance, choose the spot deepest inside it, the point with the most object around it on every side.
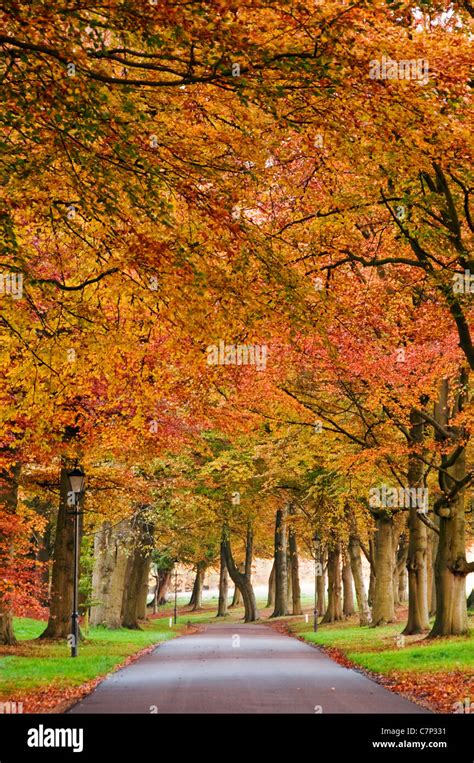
(209, 609)
(35, 664)
(375, 648)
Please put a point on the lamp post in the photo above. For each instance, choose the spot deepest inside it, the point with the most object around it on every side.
(76, 481)
(317, 550)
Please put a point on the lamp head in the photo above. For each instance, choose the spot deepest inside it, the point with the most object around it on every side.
(76, 479)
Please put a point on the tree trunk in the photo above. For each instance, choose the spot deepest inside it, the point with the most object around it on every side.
(296, 608)
(132, 595)
(108, 576)
(193, 592)
(164, 580)
(241, 579)
(383, 609)
(348, 606)
(156, 577)
(128, 615)
(289, 579)
(196, 597)
(138, 567)
(334, 608)
(356, 567)
(281, 583)
(403, 586)
(62, 577)
(451, 566)
(400, 582)
(451, 611)
(432, 551)
(271, 587)
(143, 589)
(418, 618)
(237, 600)
(7, 635)
(399, 529)
(371, 595)
(223, 586)
(8, 505)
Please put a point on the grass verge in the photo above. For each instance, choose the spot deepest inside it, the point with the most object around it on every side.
(437, 673)
(43, 676)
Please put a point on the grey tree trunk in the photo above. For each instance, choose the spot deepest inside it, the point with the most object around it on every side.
(223, 585)
(155, 593)
(164, 581)
(432, 551)
(451, 566)
(403, 586)
(401, 575)
(136, 576)
(237, 600)
(418, 618)
(143, 589)
(356, 567)
(418, 613)
(241, 579)
(384, 609)
(348, 606)
(271, 587)
(281, 582)
(296, 608)
(196, 597)
(334, 608)
(398, 530)
(289, 579)
(108, 576)
(371, 594)
(193, 592)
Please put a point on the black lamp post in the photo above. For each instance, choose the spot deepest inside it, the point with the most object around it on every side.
(317, 551)
(76, 481)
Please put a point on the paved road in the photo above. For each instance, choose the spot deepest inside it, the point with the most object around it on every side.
(236, 668)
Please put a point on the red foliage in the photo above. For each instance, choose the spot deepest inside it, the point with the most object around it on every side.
(20, 584)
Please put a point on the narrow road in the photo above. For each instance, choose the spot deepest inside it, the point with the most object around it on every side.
(237, 668)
